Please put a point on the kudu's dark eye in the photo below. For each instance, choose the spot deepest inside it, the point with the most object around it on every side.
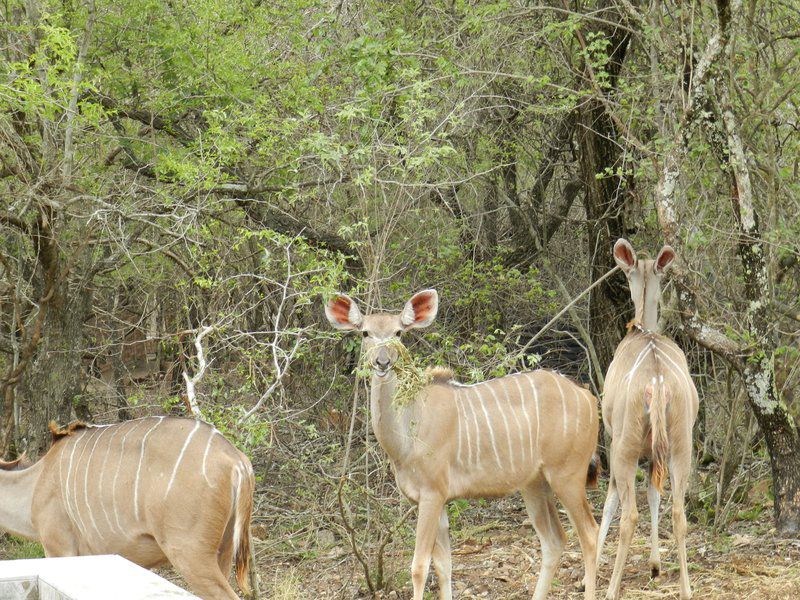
(398, 332)
(365, 333)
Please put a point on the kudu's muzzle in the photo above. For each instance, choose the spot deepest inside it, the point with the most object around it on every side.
(383, 359)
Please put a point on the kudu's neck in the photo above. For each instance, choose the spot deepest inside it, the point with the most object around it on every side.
(390, 423)
(16, 496)
(646, 306)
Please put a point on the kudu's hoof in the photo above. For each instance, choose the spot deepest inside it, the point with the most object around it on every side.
(654, 572)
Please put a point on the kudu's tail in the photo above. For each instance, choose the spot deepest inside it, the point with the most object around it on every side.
(656, 396)
(241, 535)
(593, 473)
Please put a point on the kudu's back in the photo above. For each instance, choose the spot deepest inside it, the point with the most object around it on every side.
(150, 490)
(650, 398)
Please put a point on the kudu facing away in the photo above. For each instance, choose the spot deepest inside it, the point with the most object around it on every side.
(151, 490)
(649, 407)
(530, 432)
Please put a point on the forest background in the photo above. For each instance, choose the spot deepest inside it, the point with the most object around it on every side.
(212, 169)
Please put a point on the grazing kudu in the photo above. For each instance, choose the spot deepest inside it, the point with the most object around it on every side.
(649, 407)
(529, 432)
(151, 490)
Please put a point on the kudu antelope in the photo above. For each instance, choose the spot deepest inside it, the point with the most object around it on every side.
(150, 490)
(529, 432)
(649, 407)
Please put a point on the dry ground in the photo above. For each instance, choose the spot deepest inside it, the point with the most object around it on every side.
(496, 556)
(502, 562)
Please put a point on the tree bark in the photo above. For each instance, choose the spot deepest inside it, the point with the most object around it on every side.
(777, 424)
(753, 359)
(606, 193)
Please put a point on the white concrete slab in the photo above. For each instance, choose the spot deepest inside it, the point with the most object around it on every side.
(83, 578)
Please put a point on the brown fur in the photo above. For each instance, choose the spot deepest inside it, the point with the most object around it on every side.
(244, 507)
(650, 404)
(594, 472)
(15, 465)
(340, 307)
(151, 490)
(529, 432)
(658, 427)
(440, 374)
(60, 432)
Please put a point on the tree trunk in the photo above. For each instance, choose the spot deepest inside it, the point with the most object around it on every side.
(783, 443)
(52, 381)
(605, 195)
(753, 359)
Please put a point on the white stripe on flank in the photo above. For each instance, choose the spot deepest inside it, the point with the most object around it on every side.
(682, 372)
(505, 422)
(65, 481)
(102, 476)
(489, 425)
(82, 439)
(522, 401)
(205, 456)
(577, 409)
(236, 495)
(86, 483)
(180, 458)
(563, 404)
(139, 469)
(536, 404)
(468, 404)
(639, 360)
(459, 459)
(116, 475)
(515, 415)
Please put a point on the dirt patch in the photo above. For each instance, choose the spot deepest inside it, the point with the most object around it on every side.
(502, 562)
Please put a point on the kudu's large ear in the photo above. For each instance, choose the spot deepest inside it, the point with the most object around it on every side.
(342, 311)
(624, 255)
(421, 310)
(664, 259)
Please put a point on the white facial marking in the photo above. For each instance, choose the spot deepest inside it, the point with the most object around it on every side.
(139, 469)
(180, 457)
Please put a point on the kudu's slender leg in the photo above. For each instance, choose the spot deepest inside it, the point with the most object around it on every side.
(624, 469)
(429, 513)
(654, 501)
(442, 558)
(544, 517)
(201, 572)
(609, 510)
(58, 537)
(679, 476)
(573, 496)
